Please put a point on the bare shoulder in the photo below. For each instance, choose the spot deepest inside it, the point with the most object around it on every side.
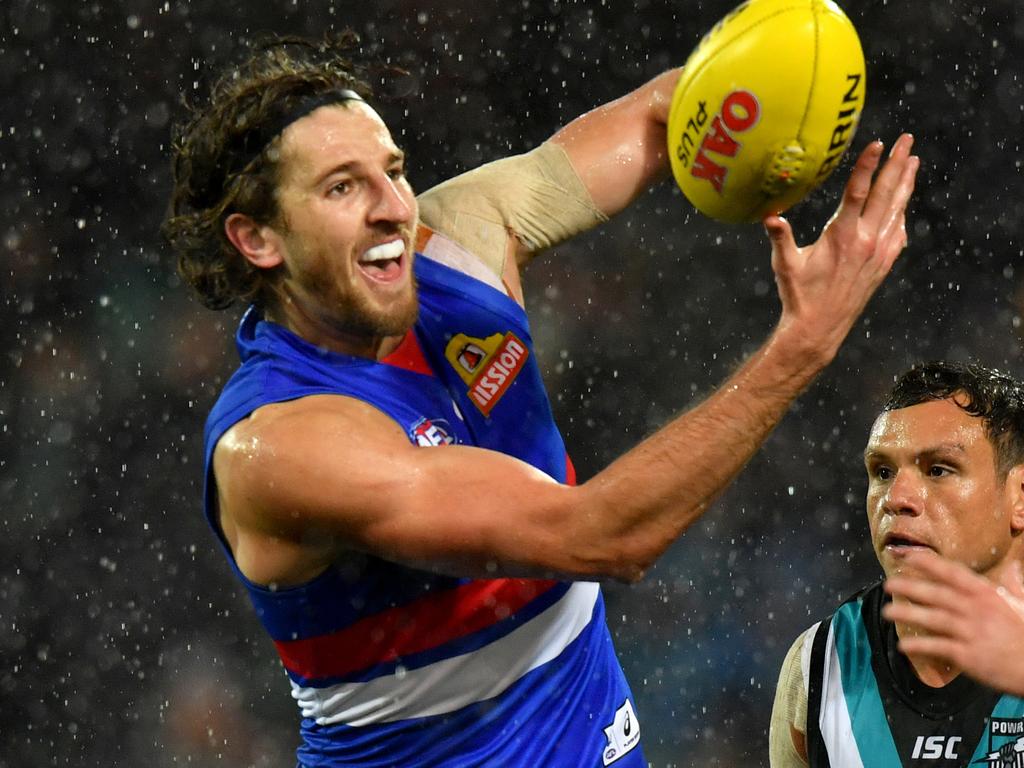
(269, 465)
(295, 483)
(279, 420)
(276, 431)
(309, 480)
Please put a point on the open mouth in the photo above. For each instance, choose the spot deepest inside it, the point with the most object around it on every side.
(383, 262)
(898, 543)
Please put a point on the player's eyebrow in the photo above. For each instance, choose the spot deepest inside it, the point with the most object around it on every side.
(398, 156)
(938, 449)
(339, 168)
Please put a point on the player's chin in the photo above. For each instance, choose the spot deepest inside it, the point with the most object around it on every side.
(402, 314)
(898, 559)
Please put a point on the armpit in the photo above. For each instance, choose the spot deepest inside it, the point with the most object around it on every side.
(535, 198)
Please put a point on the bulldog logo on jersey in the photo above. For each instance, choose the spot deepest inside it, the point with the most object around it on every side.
(431, 432)
(488, 366)
(470, 357)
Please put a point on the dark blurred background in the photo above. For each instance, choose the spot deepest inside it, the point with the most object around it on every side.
(124, 640)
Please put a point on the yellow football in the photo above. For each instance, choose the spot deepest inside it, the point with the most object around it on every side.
(765, 107)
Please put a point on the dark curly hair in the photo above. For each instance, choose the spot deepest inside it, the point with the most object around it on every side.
(993, 396)
(224, 159)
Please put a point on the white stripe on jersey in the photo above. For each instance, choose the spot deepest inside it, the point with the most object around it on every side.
(445, 251)
(834, 717)
(456, 682)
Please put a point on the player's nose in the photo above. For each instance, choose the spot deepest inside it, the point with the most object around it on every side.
(905, 494)
(392, 203)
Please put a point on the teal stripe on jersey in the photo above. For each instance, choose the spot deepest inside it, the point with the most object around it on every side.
(863, 702)
(1008, 707)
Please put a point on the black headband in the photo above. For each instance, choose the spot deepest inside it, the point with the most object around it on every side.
(256, 140)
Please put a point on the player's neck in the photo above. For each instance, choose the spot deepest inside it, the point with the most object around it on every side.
(931, 671)
(332, 337)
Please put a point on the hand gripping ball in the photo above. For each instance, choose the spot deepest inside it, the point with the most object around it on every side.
(765, 107)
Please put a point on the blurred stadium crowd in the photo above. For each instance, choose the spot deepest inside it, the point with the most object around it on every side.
(124, 640)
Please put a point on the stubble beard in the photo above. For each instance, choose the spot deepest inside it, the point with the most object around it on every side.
(354, 313)
(359, 317)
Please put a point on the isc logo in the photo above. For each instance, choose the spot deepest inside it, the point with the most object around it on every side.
(932, 747)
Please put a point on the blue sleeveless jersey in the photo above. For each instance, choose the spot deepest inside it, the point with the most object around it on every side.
(393, 666)
(867, 709)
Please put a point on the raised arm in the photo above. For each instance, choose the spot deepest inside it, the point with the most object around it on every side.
(329, 469)
(620, 148)
(506, 211)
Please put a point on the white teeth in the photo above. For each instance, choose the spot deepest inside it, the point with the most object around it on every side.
(391, 250)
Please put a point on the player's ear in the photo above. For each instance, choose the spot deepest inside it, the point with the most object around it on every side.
(1015, 487)
(259, 244)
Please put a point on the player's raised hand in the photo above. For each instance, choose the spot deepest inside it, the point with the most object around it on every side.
(825, 286)
(961, 617)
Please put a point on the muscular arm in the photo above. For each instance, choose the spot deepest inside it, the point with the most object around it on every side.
(319, 469)
(329, 466)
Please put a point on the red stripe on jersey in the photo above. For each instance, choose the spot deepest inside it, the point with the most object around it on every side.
(409, 355)
(426, 623)
(570, 471)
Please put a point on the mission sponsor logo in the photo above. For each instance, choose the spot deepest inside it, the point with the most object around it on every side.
(1005, 743)
(430, 433)
(487, 366)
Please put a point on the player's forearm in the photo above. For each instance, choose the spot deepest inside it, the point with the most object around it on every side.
(649, 496)
(620, 149)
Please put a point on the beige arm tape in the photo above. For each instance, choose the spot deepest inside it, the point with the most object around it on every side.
(536, 198)
(789, 710)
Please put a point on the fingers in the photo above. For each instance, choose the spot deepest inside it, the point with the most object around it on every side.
(778, 229)
(893, 236)
(858, 187)
(931, 592)
(931, 645)
(931, 619)
(922, 592)
(882, 200)
(940, 570)
(781, 236)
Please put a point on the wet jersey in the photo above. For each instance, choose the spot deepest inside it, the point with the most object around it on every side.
(867, 709)
(392, 666)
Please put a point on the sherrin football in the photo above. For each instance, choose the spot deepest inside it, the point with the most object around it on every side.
(765, 107)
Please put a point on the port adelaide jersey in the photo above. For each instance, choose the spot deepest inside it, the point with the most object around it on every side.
(867, 709)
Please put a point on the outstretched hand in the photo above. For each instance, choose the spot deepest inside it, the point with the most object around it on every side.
(963, 618)
(825, 286)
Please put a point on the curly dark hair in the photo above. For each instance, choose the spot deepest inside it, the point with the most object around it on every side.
(993, 396)
(224, 159)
